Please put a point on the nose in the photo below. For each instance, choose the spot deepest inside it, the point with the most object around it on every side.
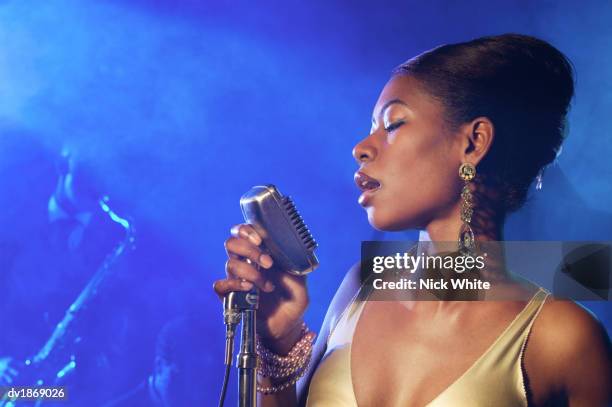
(364, 151)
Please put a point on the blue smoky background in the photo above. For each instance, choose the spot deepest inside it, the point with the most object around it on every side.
(130, 129)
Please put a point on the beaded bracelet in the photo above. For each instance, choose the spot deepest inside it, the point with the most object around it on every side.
(290, 367)
(277, 367)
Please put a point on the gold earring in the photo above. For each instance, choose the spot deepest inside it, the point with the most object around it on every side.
(467, 172)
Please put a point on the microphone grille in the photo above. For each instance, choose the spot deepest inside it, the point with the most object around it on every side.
(298, 224)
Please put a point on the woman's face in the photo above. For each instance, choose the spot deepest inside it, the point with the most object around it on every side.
(409, 163)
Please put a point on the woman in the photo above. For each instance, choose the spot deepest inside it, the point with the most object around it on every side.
(495, 106)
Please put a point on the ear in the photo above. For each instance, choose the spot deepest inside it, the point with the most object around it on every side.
(477, 138)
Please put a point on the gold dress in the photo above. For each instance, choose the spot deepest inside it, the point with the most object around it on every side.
(494, 379)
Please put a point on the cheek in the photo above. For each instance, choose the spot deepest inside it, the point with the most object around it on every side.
(421, 182)
(424, 166)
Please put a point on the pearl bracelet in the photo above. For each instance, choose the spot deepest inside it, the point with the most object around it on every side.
(290, 367)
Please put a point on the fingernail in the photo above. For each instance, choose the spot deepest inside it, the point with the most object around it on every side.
(246, 284)
(265, 260)
(269, 286)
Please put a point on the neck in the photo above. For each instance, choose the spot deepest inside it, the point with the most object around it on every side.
(486, 223)
(442, 234)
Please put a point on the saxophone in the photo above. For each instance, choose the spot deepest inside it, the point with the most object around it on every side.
(55, 361)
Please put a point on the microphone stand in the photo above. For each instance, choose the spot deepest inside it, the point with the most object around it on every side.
(242, 306)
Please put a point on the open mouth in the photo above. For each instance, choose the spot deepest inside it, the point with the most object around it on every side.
(365, 182)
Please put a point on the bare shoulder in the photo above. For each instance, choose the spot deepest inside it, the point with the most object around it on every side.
(568, 327)
(345, 293)
(569, 353)
(348, 288)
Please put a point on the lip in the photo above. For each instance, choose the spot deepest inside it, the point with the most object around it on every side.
(368, 185)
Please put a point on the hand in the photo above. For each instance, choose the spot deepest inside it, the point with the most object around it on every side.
(283, 296)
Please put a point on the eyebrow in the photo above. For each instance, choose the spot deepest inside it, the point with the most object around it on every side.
(387, 104)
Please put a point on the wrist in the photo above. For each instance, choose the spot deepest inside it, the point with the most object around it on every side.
(283, 344)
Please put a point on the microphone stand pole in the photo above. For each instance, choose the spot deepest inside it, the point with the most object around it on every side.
(246, 303)
(247, 358)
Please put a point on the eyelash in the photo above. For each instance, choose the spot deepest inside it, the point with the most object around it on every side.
(393, 126)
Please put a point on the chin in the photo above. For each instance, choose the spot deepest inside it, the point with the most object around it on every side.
(387, 222)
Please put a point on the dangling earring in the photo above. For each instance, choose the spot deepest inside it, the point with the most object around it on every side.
(467, 172)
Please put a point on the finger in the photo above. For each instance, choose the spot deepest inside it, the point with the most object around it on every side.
(222, 287)
(242, 270)
(246, 231)
(235, 246)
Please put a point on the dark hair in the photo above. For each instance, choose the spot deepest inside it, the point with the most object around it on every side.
(522, 84)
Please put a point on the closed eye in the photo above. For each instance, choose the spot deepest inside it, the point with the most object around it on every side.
(394, 126)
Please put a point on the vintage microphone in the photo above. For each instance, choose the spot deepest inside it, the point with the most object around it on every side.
(290, 244)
